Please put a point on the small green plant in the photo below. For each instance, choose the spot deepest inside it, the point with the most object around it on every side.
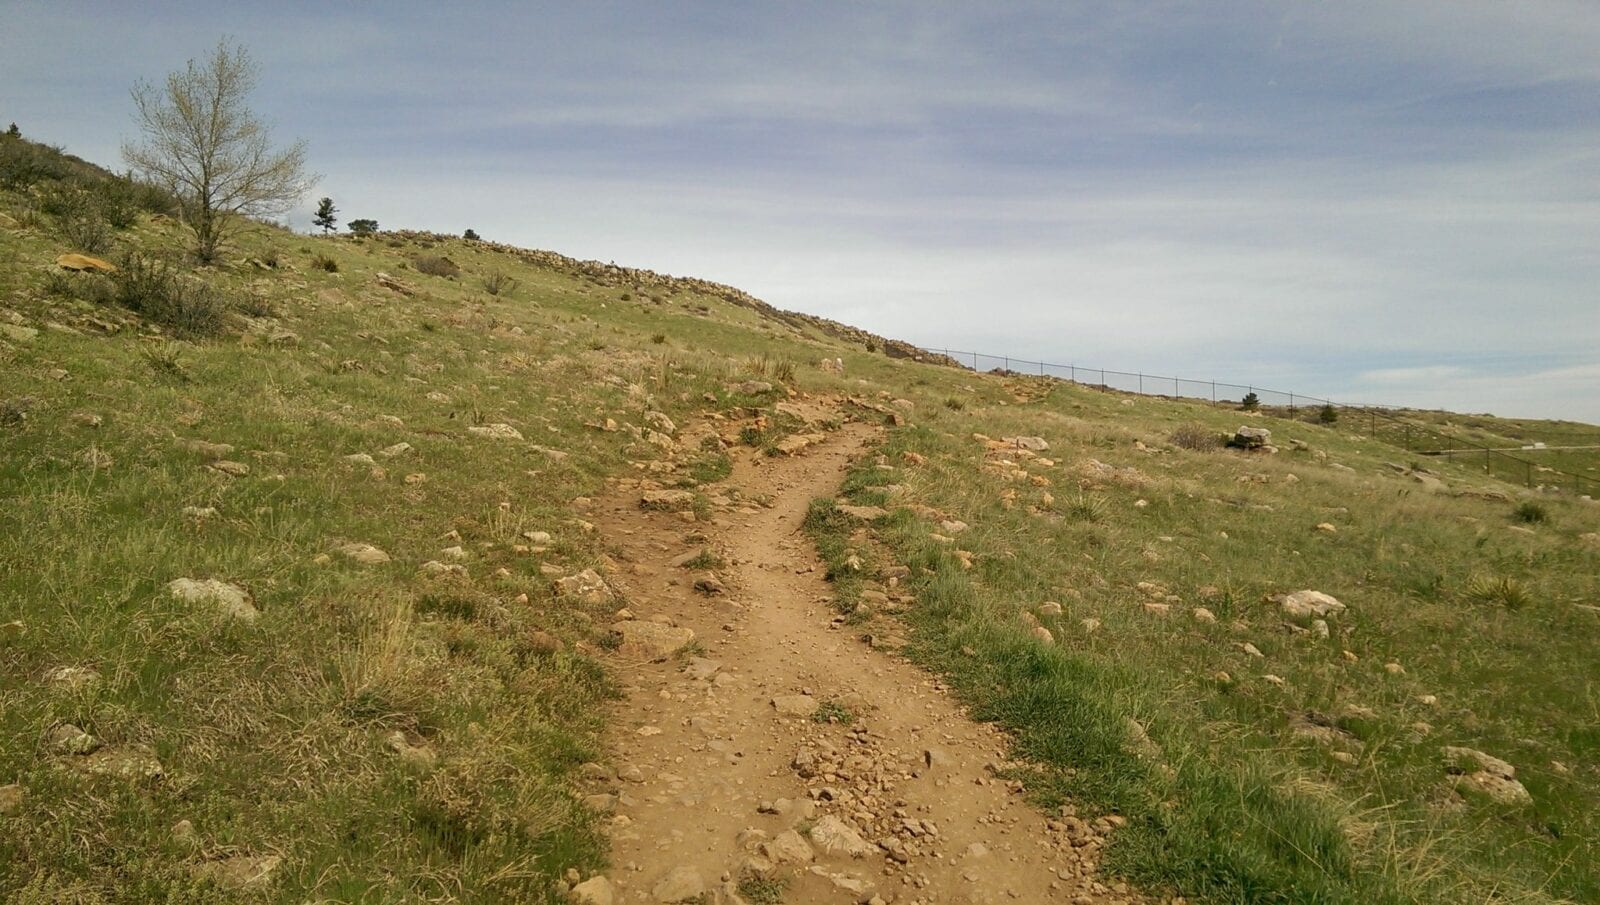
(499, 283)
(325, 263)
(1250, 403)
(658, 338)
(1504, 591)
(955, 404)
(1087, 507)
(759, 890)
(627, 296)
(166, 360)
(751, 435)
(872, 346)
(1530, 513)
(783, 371)
(1328, 414)
(711, 468)
(833, 712)
(706, 560)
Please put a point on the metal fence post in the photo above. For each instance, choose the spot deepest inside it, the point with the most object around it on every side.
(1141, 383)
(1291, 405)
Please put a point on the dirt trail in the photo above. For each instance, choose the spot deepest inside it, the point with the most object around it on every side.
(716, 758)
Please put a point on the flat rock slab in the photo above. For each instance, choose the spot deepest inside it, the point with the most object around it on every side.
(366, 554)
(865, 513)
(230, 600)
(1310, 605)
(495, 431)
(669, 500)
(654, 639)
(796, 705)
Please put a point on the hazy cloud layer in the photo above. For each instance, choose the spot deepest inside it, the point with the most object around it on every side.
(1379, 201)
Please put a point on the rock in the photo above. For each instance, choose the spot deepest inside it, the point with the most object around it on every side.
(788, 847)
(1090, 625)
(199, 513)
(240, 871)
(1250, 649)
(541, 538)
(1050, 608)
(1493, 777)
(1032, 444)
(667, 500)
(802, 706)
(498, 431)
(1309, 604)
(435, 567)
(596, 890)
(586, 587)
(18, 333)
(69, 739)
(362, 459)
(1201, 614)
(413, 753)
(653, 639)
(135, 763)
(229, 467)
(835, 837)
(399, 449)
(1042, 634)
(79, 263)
(1590, 539)
(392, 284)
(682, 884)
(232, 601)
(366, 554)
(864, 513)
(660, 422)
(953, 526)
(600, 802)
(73, 677)
(11, 798)
(1251, 438)
(753, 387)
(455, 554)
(709, 585)
(1327, 528)
(794, 443)
(701, 669)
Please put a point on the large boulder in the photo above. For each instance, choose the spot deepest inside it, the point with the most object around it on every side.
(1251, 438)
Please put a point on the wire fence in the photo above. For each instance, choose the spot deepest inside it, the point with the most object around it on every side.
(1385, 423)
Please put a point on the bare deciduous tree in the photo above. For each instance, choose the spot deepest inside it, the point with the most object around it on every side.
(202, 143)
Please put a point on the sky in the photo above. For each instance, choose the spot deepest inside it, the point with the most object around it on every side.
(1368, 201)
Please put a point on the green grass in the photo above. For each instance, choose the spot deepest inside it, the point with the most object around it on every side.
(1238, 807)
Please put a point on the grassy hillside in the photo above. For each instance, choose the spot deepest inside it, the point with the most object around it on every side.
(403, 725)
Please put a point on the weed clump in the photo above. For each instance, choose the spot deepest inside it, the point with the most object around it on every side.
(163, 296)
(1498, 590)
(436, 266)
(499, 283)
(1196, 436)
(1530, 513)
(325, 264)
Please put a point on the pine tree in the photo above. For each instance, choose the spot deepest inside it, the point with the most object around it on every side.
(325, 215)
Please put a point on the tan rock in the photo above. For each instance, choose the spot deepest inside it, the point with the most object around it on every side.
(653, 639)
(77, 262)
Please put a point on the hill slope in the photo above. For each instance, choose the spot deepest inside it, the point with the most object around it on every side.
(396, 466)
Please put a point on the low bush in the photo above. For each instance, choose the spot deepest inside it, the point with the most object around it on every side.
(1530, 513)
(436, 266)
(163, 296)
(325, 263)
(499, 283)
(1196, 436)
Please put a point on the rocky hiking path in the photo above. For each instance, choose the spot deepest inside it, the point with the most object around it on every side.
(723, 771)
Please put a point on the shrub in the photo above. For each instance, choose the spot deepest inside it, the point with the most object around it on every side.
(163, 296)
(1328, 414)
(1250, 403)
(1196, 436)
(783, 371)
(872, 346)
(87, 231)
(954, 404)
(1530, 512)
(497, 282)
(362, 227)
(1507, 592)
(325, 263)
(471, 236)
(436, 265)
(658, 338)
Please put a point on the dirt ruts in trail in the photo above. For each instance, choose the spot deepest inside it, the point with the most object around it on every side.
(728, 781)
